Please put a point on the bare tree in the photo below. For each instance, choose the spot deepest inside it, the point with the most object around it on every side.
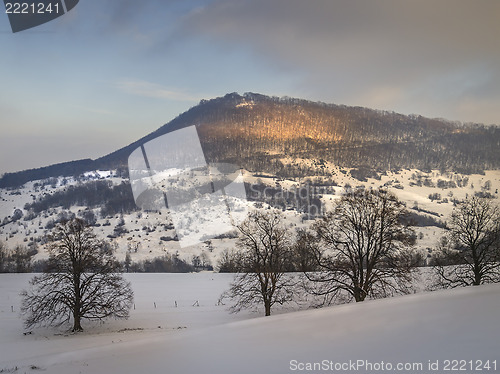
(470, 253)
(364, 248)
(264, 256)
(82, 281)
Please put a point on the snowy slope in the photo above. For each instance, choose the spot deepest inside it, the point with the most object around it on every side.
(460, 324)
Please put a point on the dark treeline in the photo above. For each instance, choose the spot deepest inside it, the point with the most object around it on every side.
(16, 260)
(112, 199)
(64, 169)
(164, 264)
(423, 220)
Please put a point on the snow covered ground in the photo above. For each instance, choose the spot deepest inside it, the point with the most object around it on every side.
(415, 331)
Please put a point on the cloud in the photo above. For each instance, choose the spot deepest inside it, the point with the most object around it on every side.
(348, 49)
(357, 32)
(153, 90)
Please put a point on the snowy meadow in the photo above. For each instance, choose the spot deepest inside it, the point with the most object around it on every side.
(179, 326)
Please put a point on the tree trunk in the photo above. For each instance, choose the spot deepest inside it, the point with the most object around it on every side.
(477, 278)
(267, 304)
(477, 271)
(77, 327)
(77, 307)
(359, 294)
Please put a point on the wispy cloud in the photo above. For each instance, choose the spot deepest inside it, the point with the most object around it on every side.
(154, 90)
(362, 49)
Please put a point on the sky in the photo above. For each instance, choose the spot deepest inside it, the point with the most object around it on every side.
(111, 71)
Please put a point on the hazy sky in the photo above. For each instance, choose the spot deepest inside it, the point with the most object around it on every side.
(111, 71)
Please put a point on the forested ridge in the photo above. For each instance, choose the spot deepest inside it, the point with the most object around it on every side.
(256, 131)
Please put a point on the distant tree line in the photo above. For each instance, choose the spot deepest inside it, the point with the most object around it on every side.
(16, 260)
(72, 168)
(112, 199)
(421, 220)
(164, 264)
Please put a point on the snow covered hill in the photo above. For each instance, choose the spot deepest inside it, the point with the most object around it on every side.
(145, 235)
(421, 333)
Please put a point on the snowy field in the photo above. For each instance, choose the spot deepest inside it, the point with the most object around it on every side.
(405, 334)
